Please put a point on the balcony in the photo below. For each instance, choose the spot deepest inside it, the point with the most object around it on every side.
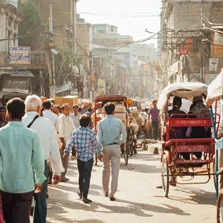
(37, 61)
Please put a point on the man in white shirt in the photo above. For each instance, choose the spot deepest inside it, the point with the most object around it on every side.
(66, 127)
(47, 113)
(76, 116)
(48, 140)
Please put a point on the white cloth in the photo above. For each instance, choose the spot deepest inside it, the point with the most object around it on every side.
(52, 117)
(76, 120)
(48, 140)
(66, 127)
(144, 117)
(185, 107)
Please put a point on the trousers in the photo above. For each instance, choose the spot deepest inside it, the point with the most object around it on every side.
(40, 208)
(84, 169)
(111, 161)
(155, 129)
(16, 207)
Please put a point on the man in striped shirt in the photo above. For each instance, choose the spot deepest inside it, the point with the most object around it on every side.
(84, 141)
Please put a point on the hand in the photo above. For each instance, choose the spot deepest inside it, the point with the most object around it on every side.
(122, 145)
(65, 156)
(56, 179)
(63, 146)
(100, 158)
(38, 189)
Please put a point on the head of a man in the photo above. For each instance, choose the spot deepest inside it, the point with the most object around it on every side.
(2, 112)
(33, 104)
(46, 105)
(16, 109)
(154, 103)
(66, 109)
(75, 109)
(109, 109)
(56, 109)
(84, 120)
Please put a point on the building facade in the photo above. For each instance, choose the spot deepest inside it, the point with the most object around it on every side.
(187, 39)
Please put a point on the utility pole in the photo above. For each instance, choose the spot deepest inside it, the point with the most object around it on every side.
(202, 58)
(52, 76)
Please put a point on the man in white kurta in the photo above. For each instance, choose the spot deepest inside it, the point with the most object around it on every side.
(66, 127)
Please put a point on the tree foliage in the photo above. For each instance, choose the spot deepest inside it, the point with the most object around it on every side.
(30, 11)
(64, 63)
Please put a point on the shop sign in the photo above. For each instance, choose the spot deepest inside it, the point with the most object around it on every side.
(16, 84)
(19, 55)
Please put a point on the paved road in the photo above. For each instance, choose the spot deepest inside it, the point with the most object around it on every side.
(138, 199)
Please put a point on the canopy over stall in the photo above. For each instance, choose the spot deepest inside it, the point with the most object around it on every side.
(215, 89)
(183, 90)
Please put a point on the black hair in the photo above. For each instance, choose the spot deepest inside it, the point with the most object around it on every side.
(109, 108)
(16, 107)
(47, 104)
(177, 102)
(89, 110)
(84, 120)
(2, 107)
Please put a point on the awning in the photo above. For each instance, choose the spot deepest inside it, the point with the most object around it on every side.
(16, 73)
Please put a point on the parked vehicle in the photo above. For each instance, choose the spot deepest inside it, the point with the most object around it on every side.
(174, 164)
(215, 94)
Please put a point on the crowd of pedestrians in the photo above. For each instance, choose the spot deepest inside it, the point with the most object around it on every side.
(36, 140)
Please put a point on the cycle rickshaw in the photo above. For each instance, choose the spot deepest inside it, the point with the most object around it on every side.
(173, 162)
(215, 94)
(120, 113)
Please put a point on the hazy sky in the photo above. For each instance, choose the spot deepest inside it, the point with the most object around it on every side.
(131, 17)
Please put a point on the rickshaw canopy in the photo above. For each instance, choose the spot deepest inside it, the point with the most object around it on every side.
(215, 89)
(110, 98)
(183, 90)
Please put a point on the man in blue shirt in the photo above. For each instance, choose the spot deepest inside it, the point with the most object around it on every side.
(22, 162)
(84, 141)
(110, 130)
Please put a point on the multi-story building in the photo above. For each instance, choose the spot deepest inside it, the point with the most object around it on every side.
(187, 38)
(15, 74)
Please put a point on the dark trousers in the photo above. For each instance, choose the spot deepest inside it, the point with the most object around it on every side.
(73, 151)
(155, 129)
(84, 169)
(40, 209)
(65, 165)
(16, 207)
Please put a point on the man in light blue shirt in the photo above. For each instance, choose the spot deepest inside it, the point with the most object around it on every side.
(111, 133)
(22, 162)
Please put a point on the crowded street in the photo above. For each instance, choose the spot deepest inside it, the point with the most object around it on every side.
(111, 111)
(138, 198)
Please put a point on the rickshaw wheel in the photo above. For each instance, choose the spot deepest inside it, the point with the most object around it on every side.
(165, 175)
(220, 207)
(126, 153)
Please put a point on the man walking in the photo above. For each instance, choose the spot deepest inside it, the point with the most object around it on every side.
(76, 116)
(84, 141)
(47, 113)
(3, 120)
(66, 127)
(154, 117)
(49, 143)
(110, 130)
(20, 154)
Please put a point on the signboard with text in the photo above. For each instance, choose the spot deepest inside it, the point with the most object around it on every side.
(16, 84)
(19, 55)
